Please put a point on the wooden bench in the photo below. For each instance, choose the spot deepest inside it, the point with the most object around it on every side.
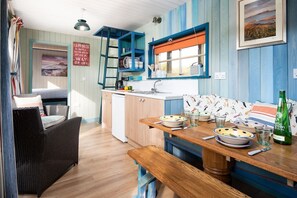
(182, 178)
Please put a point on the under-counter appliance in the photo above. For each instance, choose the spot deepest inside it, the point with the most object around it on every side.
(118, 117)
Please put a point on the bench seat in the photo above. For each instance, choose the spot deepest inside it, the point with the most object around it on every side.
(182, 178)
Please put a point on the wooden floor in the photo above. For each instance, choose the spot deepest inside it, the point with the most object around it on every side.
(104, 169)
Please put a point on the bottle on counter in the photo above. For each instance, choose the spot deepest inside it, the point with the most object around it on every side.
(282, 130)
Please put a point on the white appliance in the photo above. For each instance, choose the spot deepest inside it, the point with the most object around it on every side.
(118, 117)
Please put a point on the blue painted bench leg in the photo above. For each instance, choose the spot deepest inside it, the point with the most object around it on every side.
(145, 180)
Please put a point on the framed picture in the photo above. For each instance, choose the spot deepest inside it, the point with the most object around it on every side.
(52, 65)
(260, 23)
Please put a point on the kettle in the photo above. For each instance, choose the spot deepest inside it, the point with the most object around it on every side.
(119, 84)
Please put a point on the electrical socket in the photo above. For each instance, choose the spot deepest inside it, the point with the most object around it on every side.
(294, 73)
(220, 75)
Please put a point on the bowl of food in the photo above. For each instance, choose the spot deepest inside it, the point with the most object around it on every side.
(247, 125)
(173, 120)
(233, 135)
(204, 116)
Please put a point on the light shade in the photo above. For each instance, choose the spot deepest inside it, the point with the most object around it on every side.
(82, 25)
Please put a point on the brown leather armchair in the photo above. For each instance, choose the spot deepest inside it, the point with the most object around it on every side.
(43, 155)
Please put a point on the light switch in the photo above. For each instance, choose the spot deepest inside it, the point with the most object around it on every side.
(294, 73)
(220, 75)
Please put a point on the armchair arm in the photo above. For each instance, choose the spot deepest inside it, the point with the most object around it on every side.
(62, 141)
(57, 110)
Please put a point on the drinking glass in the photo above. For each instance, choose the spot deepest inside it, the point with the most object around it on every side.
(263, 135)
(220, 120)
(194, 117)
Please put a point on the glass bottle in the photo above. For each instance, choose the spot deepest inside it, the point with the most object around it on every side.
(282, 130)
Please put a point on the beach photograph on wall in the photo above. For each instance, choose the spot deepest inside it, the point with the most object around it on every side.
(52, 65)
(261, 22)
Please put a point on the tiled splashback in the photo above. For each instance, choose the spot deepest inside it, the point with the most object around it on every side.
(189, 86)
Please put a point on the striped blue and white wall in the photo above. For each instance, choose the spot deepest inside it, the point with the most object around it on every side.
(252, 74)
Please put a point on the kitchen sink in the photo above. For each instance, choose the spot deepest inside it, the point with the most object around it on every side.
(149, 92)
(143, 92)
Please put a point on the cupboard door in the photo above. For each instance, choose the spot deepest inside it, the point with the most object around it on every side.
(106, 110)
(154, 108)
(133, 109)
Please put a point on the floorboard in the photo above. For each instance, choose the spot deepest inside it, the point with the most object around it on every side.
(104, 168)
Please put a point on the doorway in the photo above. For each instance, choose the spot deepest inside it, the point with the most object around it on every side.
(50, 72)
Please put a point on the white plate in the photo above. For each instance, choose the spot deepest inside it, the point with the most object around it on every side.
(234, 145)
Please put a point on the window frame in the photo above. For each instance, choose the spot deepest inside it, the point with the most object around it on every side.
(194, 30)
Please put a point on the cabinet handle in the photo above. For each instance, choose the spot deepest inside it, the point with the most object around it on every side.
(140, 99)
(143, 100)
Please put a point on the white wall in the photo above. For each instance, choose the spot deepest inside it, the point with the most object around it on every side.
(84, 91)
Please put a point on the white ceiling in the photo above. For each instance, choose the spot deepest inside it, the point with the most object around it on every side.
(61, 15)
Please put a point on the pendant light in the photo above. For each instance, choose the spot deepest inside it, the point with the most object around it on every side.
(81, 24)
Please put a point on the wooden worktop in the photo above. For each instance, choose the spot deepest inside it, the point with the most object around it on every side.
(281, 159)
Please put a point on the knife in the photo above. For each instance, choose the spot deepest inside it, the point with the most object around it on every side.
(259, 151)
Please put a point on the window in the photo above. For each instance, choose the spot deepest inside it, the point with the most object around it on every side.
(181, 55)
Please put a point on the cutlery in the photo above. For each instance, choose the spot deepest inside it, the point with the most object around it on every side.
(158, 122)
(259, 151)
(178, 128)
(208, 137)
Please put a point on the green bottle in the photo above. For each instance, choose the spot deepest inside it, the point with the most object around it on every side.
(282, 130)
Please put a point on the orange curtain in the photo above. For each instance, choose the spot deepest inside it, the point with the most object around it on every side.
(188, 41)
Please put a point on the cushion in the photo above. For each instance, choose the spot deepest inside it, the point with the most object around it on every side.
(49, 121)
(231, 108)
(202, 103)
(29, 101)
(263, 113)
(293, 116)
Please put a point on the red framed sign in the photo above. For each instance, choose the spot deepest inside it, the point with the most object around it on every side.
(81, 54)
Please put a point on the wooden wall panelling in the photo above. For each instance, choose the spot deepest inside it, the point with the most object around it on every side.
(233, 54)
(254, 75)
(215, 44)
(224, 46)
(280, 70)
(195, 12)
(266, 74)
(292, 47)
(85, 93)
(183, 17)
(243, 77)
(189, 14)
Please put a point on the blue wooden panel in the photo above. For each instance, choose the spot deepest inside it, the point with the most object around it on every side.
(255, 75)
(169, 22)
(280, 70)
(195, 12)
(201, 11)
(205, 86)
(183, 17)
(224, 44)
(292, 49)
(215, 44)
(243, 77)
(267, 74)
(173, 106)
(233, 65)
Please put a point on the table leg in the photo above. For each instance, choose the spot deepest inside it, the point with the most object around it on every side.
(216, 165)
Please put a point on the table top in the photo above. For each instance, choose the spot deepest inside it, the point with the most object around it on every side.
(281, 159)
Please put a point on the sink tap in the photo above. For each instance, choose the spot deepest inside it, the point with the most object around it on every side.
(155, 89)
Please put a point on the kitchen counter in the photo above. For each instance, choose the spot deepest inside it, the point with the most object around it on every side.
(161, 96)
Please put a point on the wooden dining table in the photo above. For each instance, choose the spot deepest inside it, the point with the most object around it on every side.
(218, 159)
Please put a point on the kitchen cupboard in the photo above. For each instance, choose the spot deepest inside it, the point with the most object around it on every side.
(142, 107)
(131, 52)
(106, 110)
